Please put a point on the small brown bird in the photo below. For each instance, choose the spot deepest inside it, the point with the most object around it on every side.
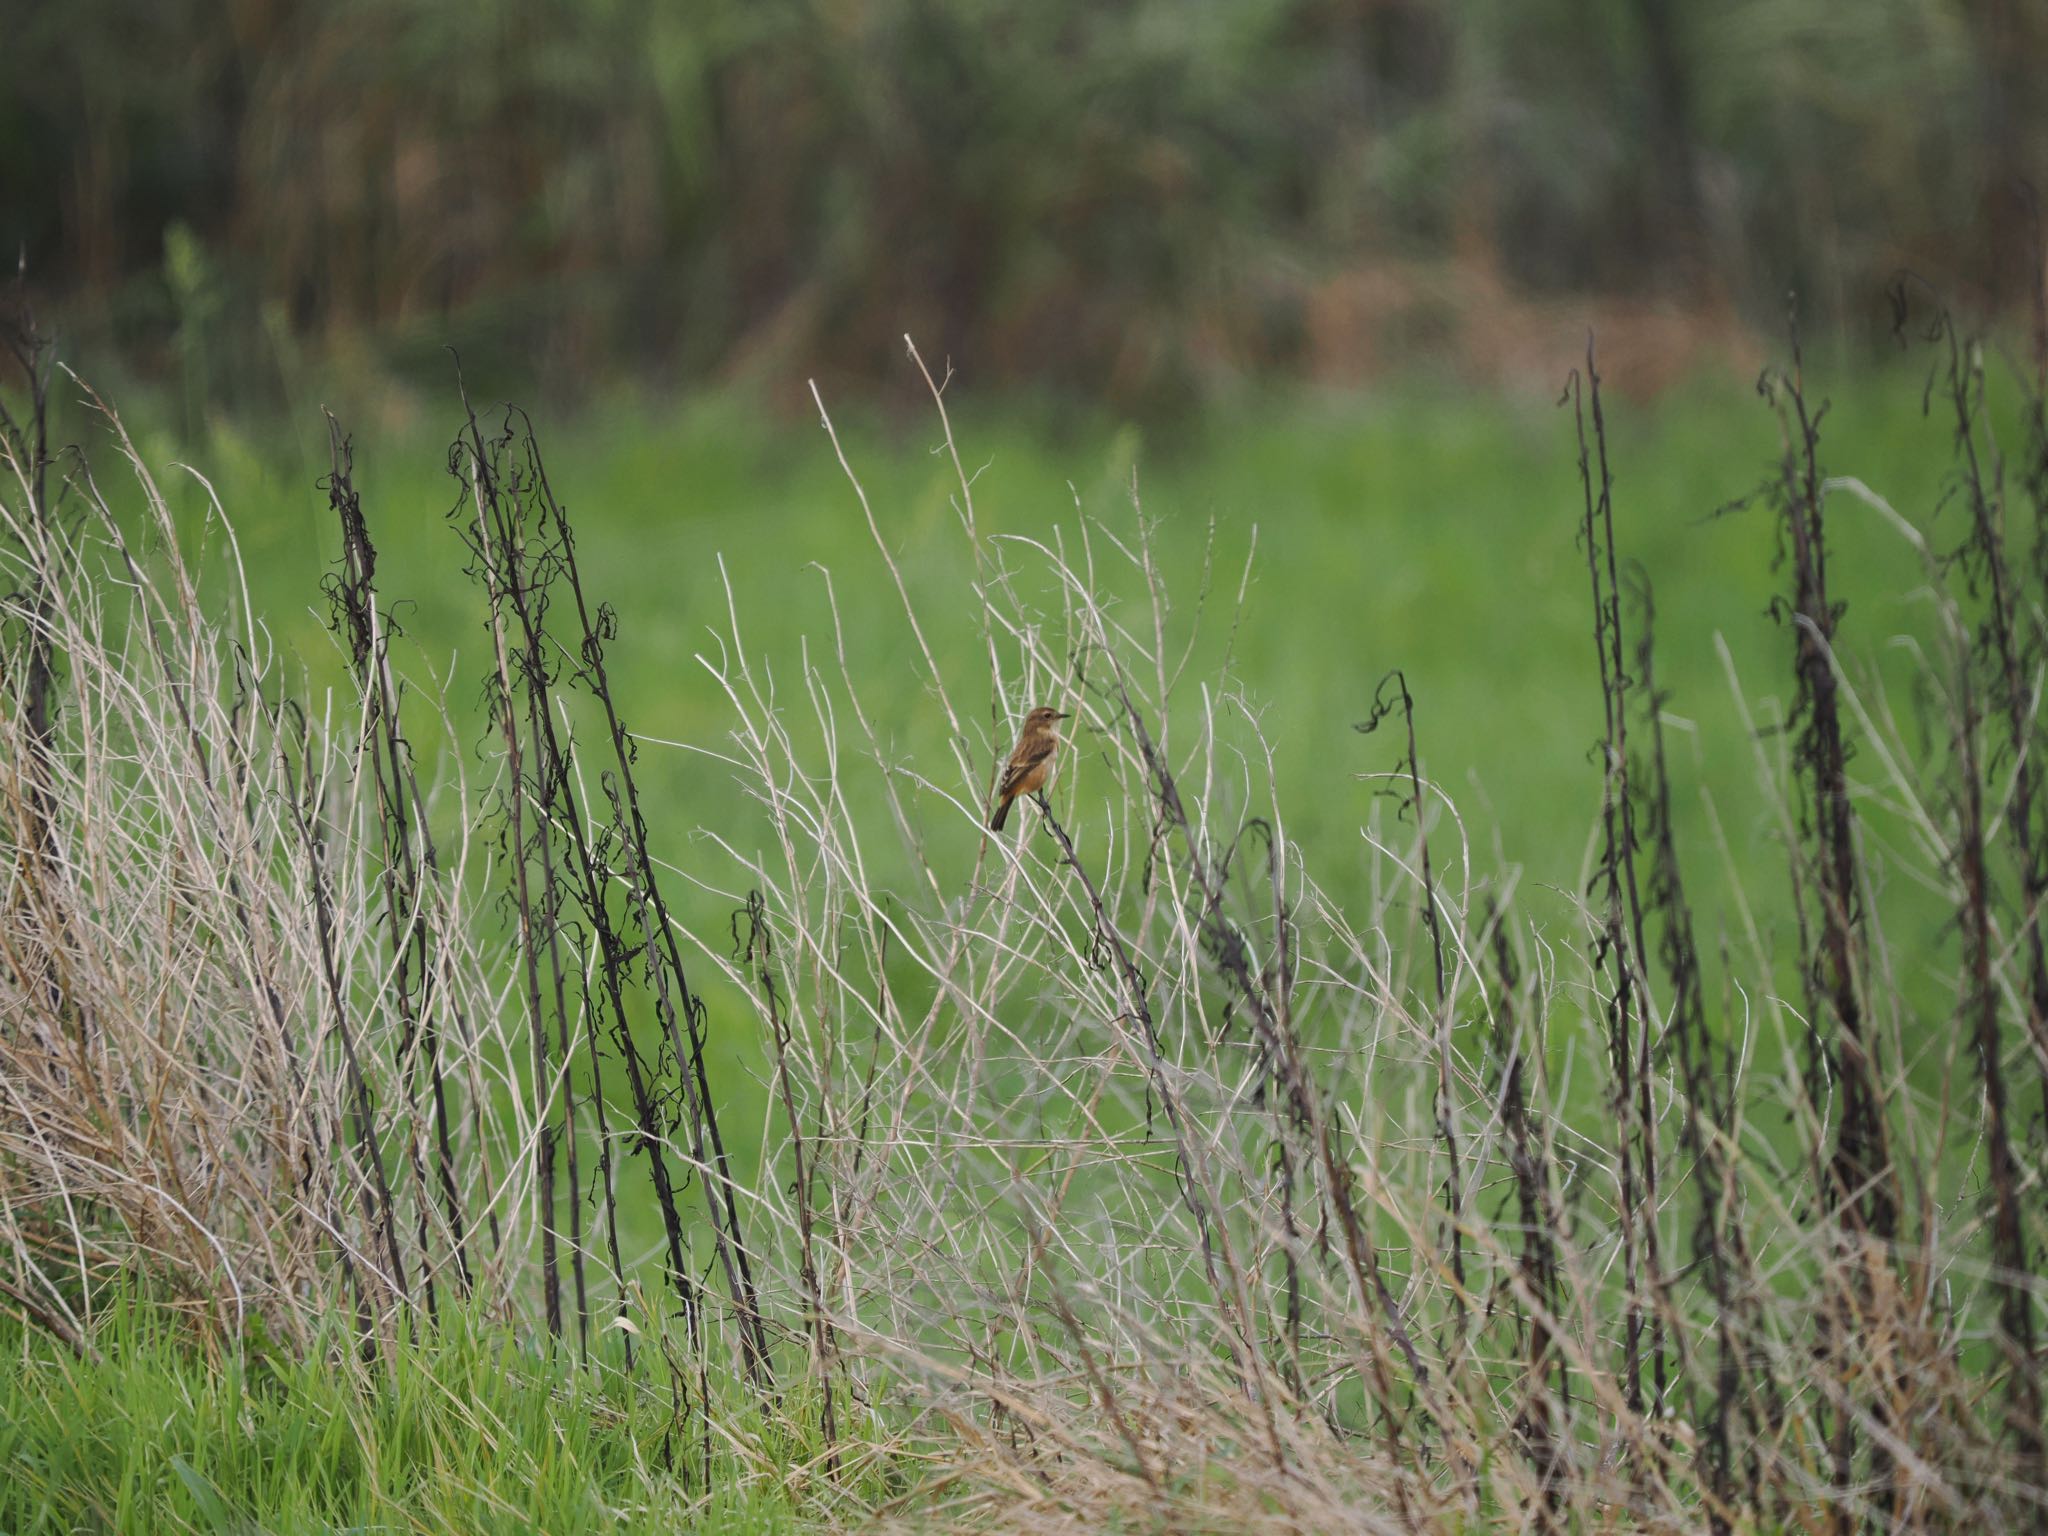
(1030, 763)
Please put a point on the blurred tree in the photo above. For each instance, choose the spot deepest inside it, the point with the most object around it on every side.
(1136, 194)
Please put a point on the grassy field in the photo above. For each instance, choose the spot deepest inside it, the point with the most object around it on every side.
(1422, 529)
(475, 1430)
(1309, 545)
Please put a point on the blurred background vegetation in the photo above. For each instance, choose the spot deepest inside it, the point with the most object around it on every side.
(1149, 203)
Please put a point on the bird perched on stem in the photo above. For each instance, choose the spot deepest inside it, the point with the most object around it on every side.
(1030, 762)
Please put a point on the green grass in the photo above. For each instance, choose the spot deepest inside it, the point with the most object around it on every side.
(1423, 529)
(1420, 529)
(475, 1430)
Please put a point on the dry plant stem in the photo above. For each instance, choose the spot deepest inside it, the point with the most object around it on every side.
(1282, 1048)
(2032, 611)
(676, 1004)
(593, 1045)
(1861, 1177)
(1279, 975)
(546, 785)
(50, 1321)
(1542, 1420)
(1706, 1109)
(1105, 1393)
(526, 545)
(1276, 1036)
(411, 870)
(501, 558)
(301, 798)
(757, 951)
(1860, 1182)
(501, 553)
(1999, 650)
(1446, 1125)
(1187, 1157)
(1620, 946)
(1981, 1019)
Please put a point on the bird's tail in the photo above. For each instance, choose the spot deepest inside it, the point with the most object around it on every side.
(1002, 815)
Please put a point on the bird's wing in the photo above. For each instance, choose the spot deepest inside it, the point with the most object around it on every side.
(1029, 756)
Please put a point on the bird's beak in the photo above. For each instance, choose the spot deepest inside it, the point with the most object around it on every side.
(1061, 715)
